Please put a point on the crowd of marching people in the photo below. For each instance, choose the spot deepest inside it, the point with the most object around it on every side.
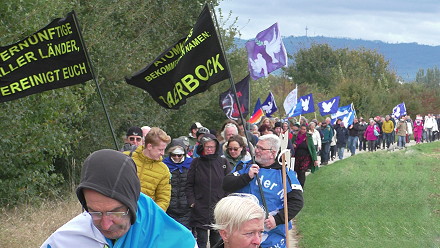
(200, 163)
(187, 177)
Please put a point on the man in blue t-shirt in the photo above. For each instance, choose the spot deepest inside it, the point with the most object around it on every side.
(243, 179)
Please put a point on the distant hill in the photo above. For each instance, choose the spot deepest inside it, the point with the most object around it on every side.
(405, 58)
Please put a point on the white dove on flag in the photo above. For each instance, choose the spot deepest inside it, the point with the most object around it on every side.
(228, 106)
(327, 106)
(346, 119)
(396, 111)
(305, 103)
(273, 46)
(259, 64)
(267, 108)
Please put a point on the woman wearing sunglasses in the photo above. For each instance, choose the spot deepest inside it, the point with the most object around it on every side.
(236, 150)
(179, 165)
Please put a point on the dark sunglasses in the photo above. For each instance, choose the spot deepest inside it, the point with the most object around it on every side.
(176, 155)
(137, 139)
(233, 149)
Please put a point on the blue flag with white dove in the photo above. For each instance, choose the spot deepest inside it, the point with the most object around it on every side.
(399, 110)
(269, 105)
(346, 114)
(329, 107)
(303, 106)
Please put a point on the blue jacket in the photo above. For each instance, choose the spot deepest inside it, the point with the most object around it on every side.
(272, 185)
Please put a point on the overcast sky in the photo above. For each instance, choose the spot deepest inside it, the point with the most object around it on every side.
(393, 21)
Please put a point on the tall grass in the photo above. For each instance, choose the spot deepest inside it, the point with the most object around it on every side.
(29, 226)
(380, 199)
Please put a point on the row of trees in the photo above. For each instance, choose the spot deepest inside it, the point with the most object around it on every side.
(45, 137)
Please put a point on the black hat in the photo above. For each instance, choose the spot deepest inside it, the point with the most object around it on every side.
(134, 131)
(278, 124)
(112, 174)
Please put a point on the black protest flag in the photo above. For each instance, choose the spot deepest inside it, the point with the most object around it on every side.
(51, 58)
(187, 68)
(228, 103)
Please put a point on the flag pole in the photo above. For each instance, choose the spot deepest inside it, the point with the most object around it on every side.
(231, 80)
(89, 62)
(286, 212)
(249, 103)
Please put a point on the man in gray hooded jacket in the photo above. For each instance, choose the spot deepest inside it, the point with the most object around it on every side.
(116, 213)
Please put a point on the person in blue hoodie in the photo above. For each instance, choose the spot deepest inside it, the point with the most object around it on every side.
(179, 163)
(116, 214)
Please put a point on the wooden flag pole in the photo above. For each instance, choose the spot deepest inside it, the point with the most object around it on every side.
(283, 150)
(286, 212)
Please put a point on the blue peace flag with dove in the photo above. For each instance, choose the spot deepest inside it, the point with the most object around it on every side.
(399, 110)
(329, 107)
(345, 113)
(269, 105)
(266, 52)
(303, 106)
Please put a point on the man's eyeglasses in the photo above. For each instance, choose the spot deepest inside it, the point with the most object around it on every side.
(112, 215)
(233, 149)
(135, 138)
(262, 149)
(176, 155)
(209, 147)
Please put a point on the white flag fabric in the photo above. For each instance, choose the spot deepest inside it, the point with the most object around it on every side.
(291, 100)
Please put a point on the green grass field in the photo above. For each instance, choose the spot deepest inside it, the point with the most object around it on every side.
(379, 199)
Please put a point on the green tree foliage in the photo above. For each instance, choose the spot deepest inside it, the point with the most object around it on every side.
(361, 77)
(431, 78)
(45, 136)
(316, 65)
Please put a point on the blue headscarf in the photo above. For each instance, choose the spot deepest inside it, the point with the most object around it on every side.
(174, 166)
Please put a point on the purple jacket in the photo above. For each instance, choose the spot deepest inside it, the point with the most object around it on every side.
(369, 132)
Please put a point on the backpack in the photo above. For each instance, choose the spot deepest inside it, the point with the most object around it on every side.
(376, 133)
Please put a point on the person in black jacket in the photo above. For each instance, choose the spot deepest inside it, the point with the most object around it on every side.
(362, 141)
(353, 136)
(341, 139)
(179, 163)
(204, 188)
